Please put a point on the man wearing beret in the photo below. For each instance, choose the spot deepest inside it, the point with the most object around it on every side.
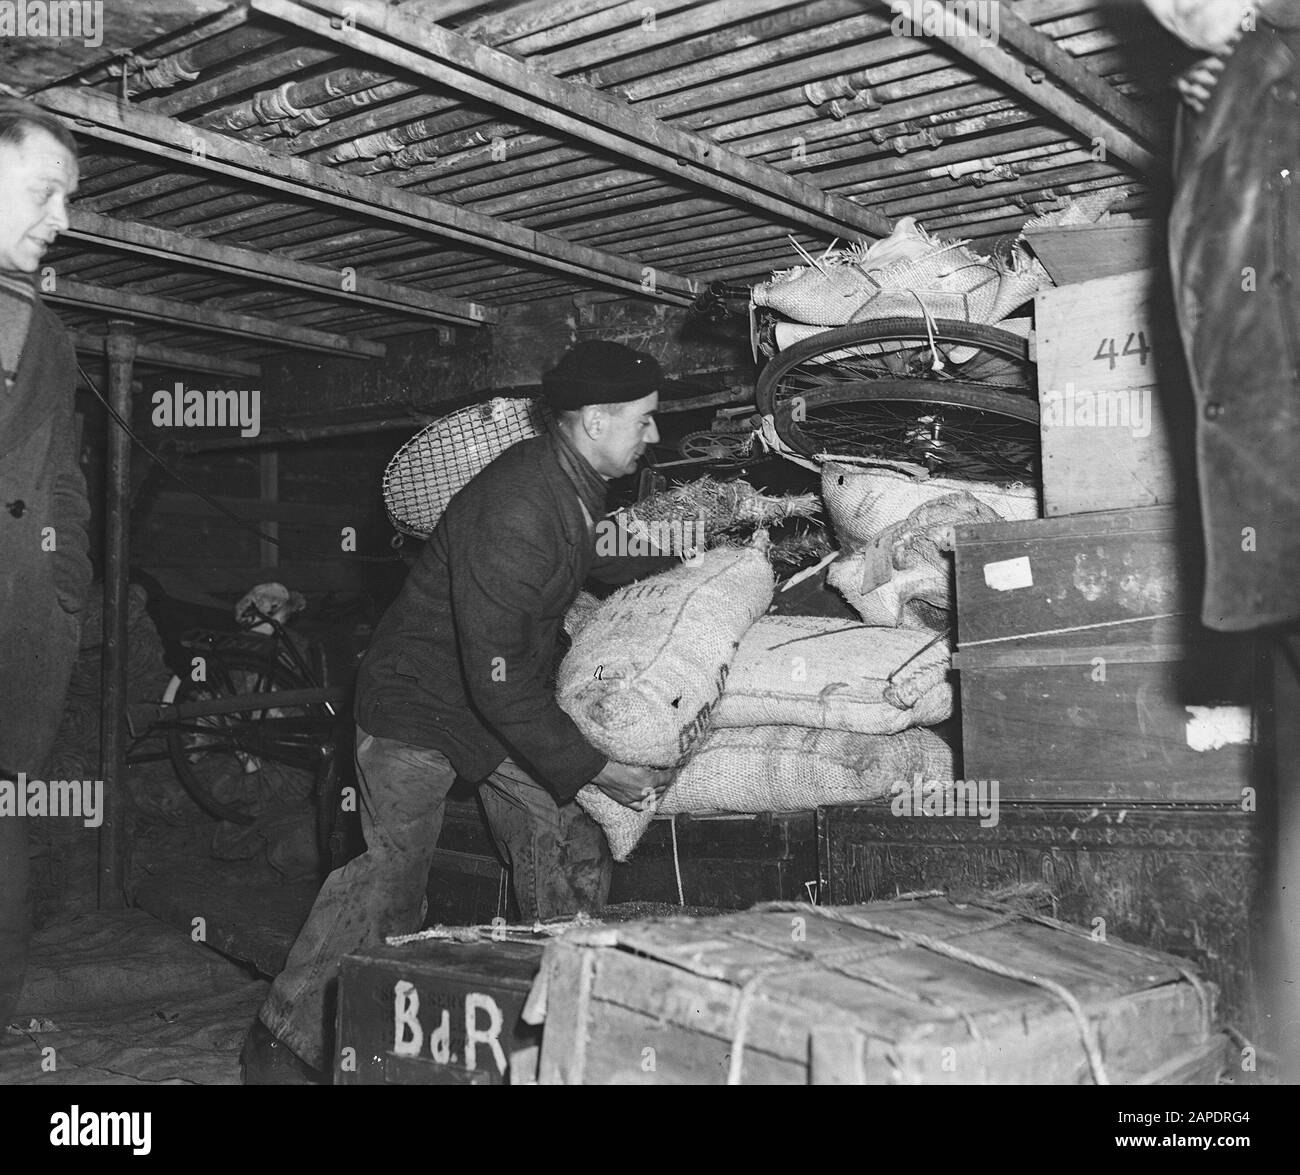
(458, 680)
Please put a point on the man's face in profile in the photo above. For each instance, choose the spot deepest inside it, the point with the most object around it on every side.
(37, 177)
(628, 430)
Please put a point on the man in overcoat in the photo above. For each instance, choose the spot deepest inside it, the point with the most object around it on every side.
(44, 567)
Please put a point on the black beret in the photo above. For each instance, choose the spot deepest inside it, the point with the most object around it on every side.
(599, 372)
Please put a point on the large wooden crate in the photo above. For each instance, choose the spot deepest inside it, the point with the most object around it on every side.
(435, 1013)
(1184, 880)
(1083, 673)
(895, 992)
(1117, 420)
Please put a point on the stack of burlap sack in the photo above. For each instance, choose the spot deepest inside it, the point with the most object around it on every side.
(757, 713)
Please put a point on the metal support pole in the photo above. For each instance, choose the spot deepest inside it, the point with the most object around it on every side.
(112, 841)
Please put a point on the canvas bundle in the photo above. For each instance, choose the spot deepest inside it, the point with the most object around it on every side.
(863, 500)
(909, 562)
(646, 671)
(823, 673)
(908, 273)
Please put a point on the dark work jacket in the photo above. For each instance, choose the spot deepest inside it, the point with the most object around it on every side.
(462, 660)
(44, 567)
(1235, 224)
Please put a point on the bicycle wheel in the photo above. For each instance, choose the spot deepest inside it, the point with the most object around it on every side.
(955, 397)
(232, 763)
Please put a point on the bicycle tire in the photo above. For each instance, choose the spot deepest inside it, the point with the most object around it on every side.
(221, 760)
(823, 383)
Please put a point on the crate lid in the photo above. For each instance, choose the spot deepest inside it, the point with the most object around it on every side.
(909, 973)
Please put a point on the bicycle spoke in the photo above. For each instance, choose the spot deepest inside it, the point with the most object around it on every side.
(955, 398)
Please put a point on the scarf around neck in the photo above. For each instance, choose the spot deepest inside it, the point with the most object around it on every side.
(589, 485)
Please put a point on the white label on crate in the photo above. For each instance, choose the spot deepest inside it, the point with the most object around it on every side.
(1009, 574)
(1212, 727)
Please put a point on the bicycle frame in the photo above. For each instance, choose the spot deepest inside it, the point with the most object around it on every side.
(268, 735)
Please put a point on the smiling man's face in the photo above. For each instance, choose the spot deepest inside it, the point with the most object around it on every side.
(37, 177)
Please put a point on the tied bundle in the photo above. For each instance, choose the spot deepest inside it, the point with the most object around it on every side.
(702, 514)
(909, 562)
(908, 272)
(897, 534)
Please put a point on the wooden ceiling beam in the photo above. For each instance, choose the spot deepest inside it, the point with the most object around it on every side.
(168, 245)
(125, 304)
(171, 141)
(583, 112)
(1051, 79)
(151, 355)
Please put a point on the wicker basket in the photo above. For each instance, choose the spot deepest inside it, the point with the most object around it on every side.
(435, 464)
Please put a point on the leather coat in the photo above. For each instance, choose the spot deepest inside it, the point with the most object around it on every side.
(1234, 239)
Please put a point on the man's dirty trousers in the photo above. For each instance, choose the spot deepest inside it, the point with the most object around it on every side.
(558, 858)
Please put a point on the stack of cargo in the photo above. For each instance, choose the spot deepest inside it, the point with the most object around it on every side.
(1117, 733)
(756, 713)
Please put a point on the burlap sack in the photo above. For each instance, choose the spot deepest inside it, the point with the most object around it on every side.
(817, 672)
(646, 671)
(623, 826)
(908, 561)
(778, 769)
(790, 768)
(863, 500)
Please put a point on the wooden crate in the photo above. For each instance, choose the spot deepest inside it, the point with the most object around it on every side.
(728, 862)
(910, 992)
(1083, 674)
(1183, 880)
(1117, 422)
(434, 1013)
(1083, 252)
